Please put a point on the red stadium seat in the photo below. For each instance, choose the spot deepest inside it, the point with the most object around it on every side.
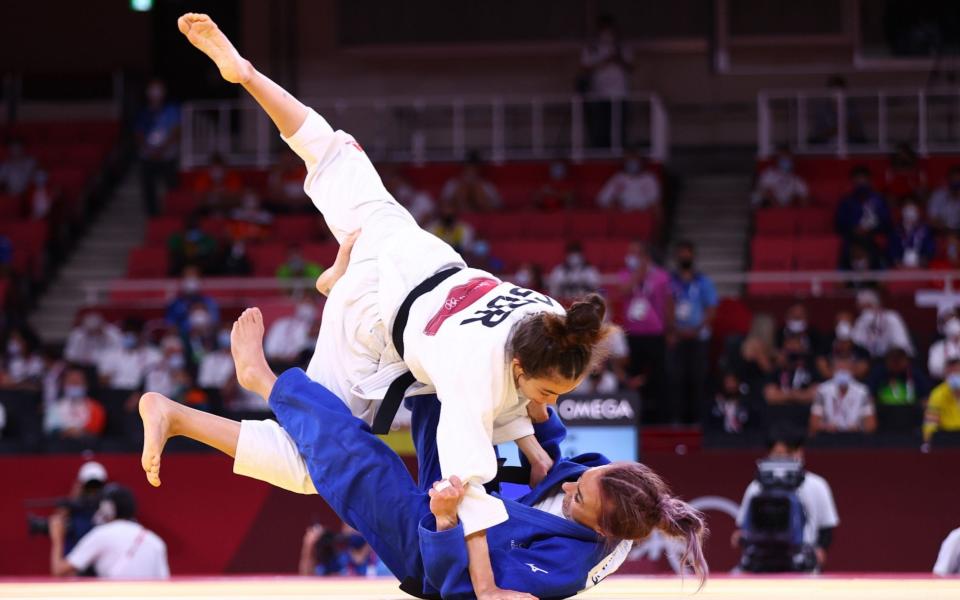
(265, 258)
(296, 228)
(322, 253)
(633, 225)
(538, 225)
(588, 223)
(772, 254)
(513, 253)
(148, 262)
(813, 220)
(775, 221)
(817, 253)
(11, 207)
(179, 202)
(159, 229)
(496, 226)
(606, 255)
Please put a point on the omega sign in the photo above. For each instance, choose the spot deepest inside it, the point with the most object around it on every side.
(597, 411)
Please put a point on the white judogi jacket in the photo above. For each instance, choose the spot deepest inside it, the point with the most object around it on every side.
(463, 356)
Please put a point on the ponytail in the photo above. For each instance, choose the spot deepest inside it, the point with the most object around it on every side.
(547, 344)
(684, 522)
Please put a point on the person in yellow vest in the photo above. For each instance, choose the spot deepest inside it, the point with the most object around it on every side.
(943, 410)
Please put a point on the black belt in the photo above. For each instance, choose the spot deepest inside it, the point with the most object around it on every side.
(397, 390)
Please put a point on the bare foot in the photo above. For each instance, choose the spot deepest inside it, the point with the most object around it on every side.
(246, 345)
(329, 278)
(156, 411)
(207, 37)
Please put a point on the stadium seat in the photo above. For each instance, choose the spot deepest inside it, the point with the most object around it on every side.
(323, 253)
(586, 224)
(776, 221)
(148, 262)
(11, 207)
(816, 253)
(633, 225)
(545, 226)
(813, 220)
(180, 203)
(159, 229)
(513, 253)
(296, 228)
(265, 258)
(772, 254)
(606, 255)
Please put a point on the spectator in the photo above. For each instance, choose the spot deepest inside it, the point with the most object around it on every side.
(949, 260)
(217, 187)
(731, 411)
(605, 64)
(157, 133)
(450, 228)
(75, 415)
(192, 247)
(417, 201)
(216, 369)
(285, 184)
(236, 262)
(634, 188)
(862, 216)
(814, 494)
(943, 350)
(559, 192)
(943, 410)
(530, 276)
(695, 304)
(41, 196)
(85, 498)
(843, 345)
(943, 208)
(647, 319)
(574, 277)
(125, 368)
(796, 324)
(298, 267)
(757, 360)
(118, 548)
(201, 333)
(897, 382)
(17, 171)
(795, 381)
(948, 559)
(878, 329)
(250, 221)
(324, 553)
(469, 191)
(904, 177)
(178, 312)
(912, 244)
(167, 376)
(93, 338)
(842, 403)
(24, 365)
(779, 185)
(608, 376)
(289, 337)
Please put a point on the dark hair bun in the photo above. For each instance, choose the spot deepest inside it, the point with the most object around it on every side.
(584, 321)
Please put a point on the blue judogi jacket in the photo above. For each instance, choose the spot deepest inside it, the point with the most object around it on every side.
(369, 487)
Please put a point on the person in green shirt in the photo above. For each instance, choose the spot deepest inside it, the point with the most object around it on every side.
(897, 382)
(298, 267)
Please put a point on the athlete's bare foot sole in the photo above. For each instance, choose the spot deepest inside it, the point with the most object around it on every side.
(246, 346)
(207, 37)
(156, 411)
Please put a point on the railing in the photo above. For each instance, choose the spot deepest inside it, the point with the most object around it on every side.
(864, 121)
(167, 289)
(436, 128)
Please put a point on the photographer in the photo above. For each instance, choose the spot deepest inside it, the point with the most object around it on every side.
(326, 553)
(77, 509)
(117, 547)
(813, 494)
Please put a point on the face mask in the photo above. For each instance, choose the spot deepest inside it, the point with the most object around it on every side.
(952, 328)
(843, 331)
(176, 361)
(910, 214)
(129, 341)
(632, 261)
(306, 312)
(632, 167)
(14, 347)
(796, 325)
(191, 285)
(842, 377)
(74, 391)
(953, 381)
(785, 164)
(523, 278)
(575, 260)
(199, 318)
(223, 339)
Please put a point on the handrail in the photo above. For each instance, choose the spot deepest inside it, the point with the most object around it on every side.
(429, 128)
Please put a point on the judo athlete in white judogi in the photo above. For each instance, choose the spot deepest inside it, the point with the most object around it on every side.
(408, 302)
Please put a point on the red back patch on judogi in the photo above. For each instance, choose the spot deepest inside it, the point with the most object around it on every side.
(458, 299)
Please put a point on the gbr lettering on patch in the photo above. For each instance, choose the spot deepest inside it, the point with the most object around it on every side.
(501, 307)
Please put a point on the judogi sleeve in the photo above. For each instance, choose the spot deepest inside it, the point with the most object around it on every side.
(312, 141)
(265, 451)
(948, 560)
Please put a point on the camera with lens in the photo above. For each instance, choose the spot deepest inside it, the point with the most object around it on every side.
(82, 507)
(775, 520)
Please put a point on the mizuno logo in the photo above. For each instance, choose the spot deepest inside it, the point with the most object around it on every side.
(536, 569)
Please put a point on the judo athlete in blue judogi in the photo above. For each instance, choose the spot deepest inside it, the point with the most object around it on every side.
(550, 547)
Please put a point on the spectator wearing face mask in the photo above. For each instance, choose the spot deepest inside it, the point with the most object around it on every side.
(289, 336)
(250, 221)
(164, 376)
(842, 344)
(24, 365)
(75, 415)
(126, 367)
(559, 191)
(237, 262)
(862, 217)
(897, 382)
(943, 410)
(911, 245)
(178, 311)
(842, 404)
(88, 342)
(796, 324)
(192, 247)
(948, 348)
(605, 64)
(795, 381)
(731, 411)
(217, 188)
(17, 170)
(530, 276)
(574, 277)
(202, 332)
(878, 329)
(216, 369)
(943, 208)
(157, 133)
(778, 184)
(647, 319)
(634, 188)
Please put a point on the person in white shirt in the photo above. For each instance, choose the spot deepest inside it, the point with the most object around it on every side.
(117, 548)
(216, 368)
(93, 338)
(25, 366)
(126, 367)
(948, 560)
(635, 188)
(842, 403)
(778, 185)
(574, 277)
(409, 311)
(943, 350)
(878, 329)
(163, 376)
(289, 336)
(814, 494)
(943, 208)
(605, 63)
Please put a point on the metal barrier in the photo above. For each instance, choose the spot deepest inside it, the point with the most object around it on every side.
(436, 128)
(862, 121)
